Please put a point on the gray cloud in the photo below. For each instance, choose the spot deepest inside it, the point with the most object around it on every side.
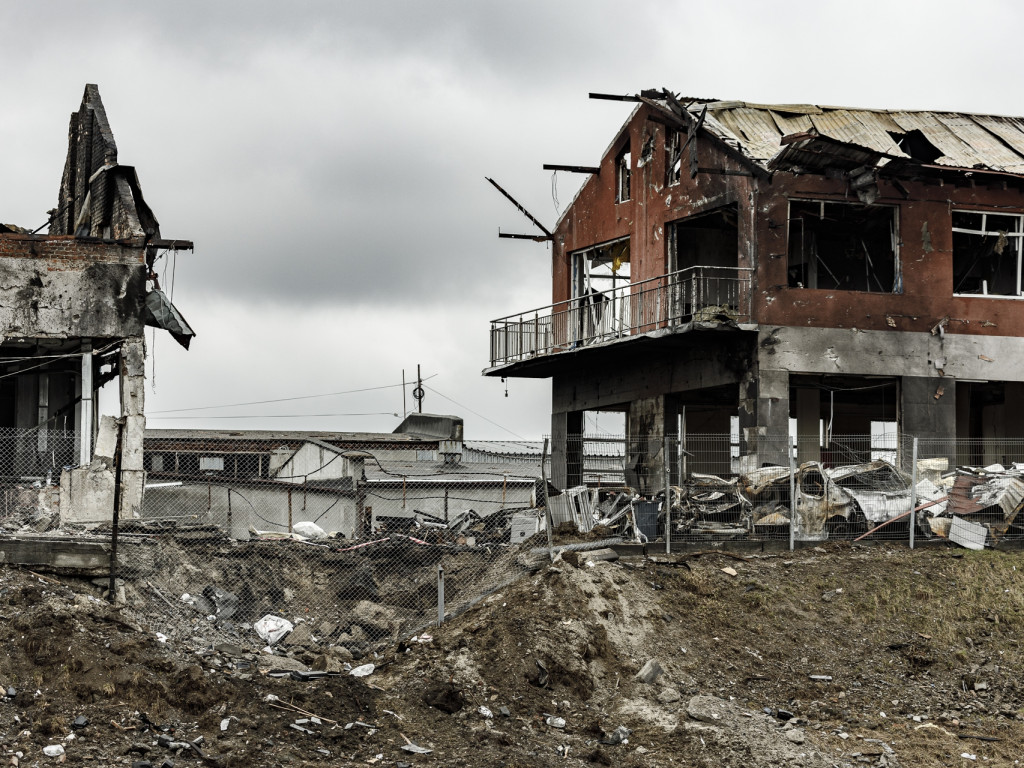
(328, 157)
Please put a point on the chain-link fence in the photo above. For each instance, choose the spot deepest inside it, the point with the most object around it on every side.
(356, 543)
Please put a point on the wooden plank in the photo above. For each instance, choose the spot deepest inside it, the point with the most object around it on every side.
(60, 554)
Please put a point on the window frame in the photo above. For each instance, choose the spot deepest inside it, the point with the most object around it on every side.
(1018, 236)
(897, 242)
(623, 174)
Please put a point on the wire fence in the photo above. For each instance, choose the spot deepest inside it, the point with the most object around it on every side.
(312, 544)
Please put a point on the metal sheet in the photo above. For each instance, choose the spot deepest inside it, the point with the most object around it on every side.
(756, 127)
(965, 140)
(988, 148)
(856, 128)
(955, 152)
(789, 124)
(969, 535)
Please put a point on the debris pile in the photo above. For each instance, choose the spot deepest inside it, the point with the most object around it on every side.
(589, 661)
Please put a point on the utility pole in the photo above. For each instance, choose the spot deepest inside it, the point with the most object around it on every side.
(418, 392)
(404, 411)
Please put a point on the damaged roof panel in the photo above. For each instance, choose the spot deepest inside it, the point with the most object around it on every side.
(958, 139)
(955, 152)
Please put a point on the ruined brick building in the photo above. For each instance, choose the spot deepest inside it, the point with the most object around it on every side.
(755, 263)
(73, 305)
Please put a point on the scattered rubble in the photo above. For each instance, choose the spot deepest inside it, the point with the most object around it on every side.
(566, 665)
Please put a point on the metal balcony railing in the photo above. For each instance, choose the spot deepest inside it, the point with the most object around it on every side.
(696, 294)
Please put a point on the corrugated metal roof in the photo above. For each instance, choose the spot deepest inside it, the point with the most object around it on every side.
(964, 140)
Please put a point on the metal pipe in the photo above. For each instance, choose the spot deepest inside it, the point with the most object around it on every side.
(668, 497)
(440, 595)
(791, 449)
(547, 500)
(913, 494)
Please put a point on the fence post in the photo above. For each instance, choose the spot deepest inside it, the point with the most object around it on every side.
(791, 450)
(547, 500)
(913, 493)
(440, 595)
(668, 498)
(115, 520)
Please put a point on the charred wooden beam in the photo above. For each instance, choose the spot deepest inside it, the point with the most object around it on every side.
(613, 97)
(517, 236)
(522, 210)
(572, 168)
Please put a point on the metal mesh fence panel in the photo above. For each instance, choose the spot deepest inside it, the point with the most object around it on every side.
(352, 546)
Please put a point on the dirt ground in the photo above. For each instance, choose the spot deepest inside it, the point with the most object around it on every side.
(835, 656)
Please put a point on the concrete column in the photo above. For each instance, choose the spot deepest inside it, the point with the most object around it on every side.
(84, 423)
(567, 449)
(808, 425)
(133, 381)
(646, 426)
(764, 418)
(928, 412)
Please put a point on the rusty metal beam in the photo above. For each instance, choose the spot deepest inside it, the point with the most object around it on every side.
(522, 210)
(172, 245)
(572, 168)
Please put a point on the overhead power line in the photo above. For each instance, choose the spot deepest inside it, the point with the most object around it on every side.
(499, 426)
(284, 399)
(273, 416)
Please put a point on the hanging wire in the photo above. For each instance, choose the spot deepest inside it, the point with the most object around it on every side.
(554, 193)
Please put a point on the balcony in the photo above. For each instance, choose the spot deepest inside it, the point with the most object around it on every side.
(672, 302)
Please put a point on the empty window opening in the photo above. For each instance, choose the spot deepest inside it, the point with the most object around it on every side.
(702, 255)
(673, 157)
(706, 240)
(843, 246)
(596, 273)
(987, 253)
(623, 168)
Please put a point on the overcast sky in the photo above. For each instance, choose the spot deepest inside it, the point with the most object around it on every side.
(328, 160)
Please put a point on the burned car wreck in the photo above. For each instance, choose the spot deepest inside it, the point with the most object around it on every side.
(968, 505)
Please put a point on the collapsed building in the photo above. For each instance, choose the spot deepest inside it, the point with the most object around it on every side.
(352, 484)
(728, 267)
(73, 306)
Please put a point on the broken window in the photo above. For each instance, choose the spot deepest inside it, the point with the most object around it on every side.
(673, 157)
(596, 273)
(987, 253)
(211, 463)
(623, 167)
(843, 246)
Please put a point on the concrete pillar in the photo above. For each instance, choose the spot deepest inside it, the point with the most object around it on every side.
(928, 412)
(83, 424)
(646, 427)
(764, 418)
(133, 383)
(567, 449)
(808, 425)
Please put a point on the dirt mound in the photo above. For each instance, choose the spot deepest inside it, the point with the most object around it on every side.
(843, 656)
